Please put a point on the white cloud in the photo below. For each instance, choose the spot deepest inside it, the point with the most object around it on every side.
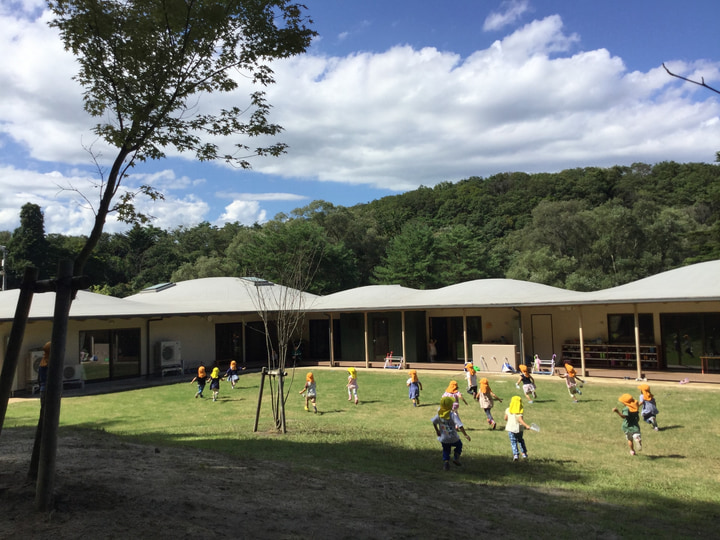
(511, 12)
(244, 212)
(262, 196)
(396, 120)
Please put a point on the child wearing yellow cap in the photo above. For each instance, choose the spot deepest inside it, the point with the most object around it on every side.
(447, 424)
(648, 407)
(514, 425)
(215, 382)
(571, 378)
(631, 422)
(471, 376)
(310, 392)
(528, 383)
(201, 379)
(352, 385)
(414, 386)
(485, 398)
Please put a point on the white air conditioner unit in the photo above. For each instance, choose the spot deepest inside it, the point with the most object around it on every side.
(34, 364)
(170, 354)
(73, 372)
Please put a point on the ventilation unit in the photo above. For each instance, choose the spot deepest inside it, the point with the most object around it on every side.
(34, 364)
(170, 354)
(72, 373)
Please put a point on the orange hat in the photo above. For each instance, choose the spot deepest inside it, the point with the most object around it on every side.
(309, 377)
(470, 367)
(452, 387)
(570, 370)
(629, 402)
(201, 372)
(484, 386)
(647, 394)
(413, 375)
(524, 369)
(233, 364)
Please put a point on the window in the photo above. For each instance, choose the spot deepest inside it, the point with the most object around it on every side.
(621, 329)
(110, 354)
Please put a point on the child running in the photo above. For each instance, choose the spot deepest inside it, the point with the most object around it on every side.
(310, 392)
(352, 385)
(486, 397)
(648, 406)
(215, 382)
(414, 386)
(571, 379)
(528, 383)
(201, 379)
(447, 424)
(452, 391)
(514, 427)
(232, 374)
(631, 422)
(471, 376)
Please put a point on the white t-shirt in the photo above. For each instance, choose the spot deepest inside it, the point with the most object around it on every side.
(513, 425)
(448, 428)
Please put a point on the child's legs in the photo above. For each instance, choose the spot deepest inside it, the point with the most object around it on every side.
(458, 449)
(513, 442)
(489, 415)
(352, 392)
(521, 442)
(446, 451)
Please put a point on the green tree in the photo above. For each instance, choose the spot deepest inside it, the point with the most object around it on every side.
(145, 64)
(410, 258)
(27, 246)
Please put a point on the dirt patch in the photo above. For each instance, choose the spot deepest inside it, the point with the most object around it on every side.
(108, 488)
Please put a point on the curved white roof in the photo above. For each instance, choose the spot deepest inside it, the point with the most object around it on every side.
(222, 295)
(695, 283)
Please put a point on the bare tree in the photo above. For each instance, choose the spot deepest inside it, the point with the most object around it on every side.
(282, 310)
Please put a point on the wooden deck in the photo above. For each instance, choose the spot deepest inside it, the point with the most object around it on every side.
(694, 377)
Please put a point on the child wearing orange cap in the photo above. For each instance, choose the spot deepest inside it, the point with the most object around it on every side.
(43, 368)
(414, 386)
(486, 397)
(232, 374)
(310, 392)
(631, 422)
(648, 406)
(528, 383)
(452, 391)
(201, 379)
(514, 425)
(447, 424)
(471, 376)
(571, 379)
(352, 385)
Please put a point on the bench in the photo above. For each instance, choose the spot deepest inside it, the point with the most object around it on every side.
(394, 362)
(543, 367)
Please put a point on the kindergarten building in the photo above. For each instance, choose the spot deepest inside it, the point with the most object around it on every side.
(666, 322)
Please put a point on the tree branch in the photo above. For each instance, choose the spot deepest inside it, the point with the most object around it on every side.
(701, 83)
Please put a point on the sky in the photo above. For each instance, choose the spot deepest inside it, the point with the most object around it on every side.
(391, 95)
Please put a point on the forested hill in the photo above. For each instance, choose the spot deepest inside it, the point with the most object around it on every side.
(582, 229)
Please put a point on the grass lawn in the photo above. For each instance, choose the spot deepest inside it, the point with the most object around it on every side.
(579, 473)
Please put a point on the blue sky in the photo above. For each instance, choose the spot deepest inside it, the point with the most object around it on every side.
(392, 95)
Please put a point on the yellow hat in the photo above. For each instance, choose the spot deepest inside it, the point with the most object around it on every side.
(516, 406)
(446, 404)
(215, 373)
(353, 372)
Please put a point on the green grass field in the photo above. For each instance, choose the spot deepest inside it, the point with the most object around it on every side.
(580, 472)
